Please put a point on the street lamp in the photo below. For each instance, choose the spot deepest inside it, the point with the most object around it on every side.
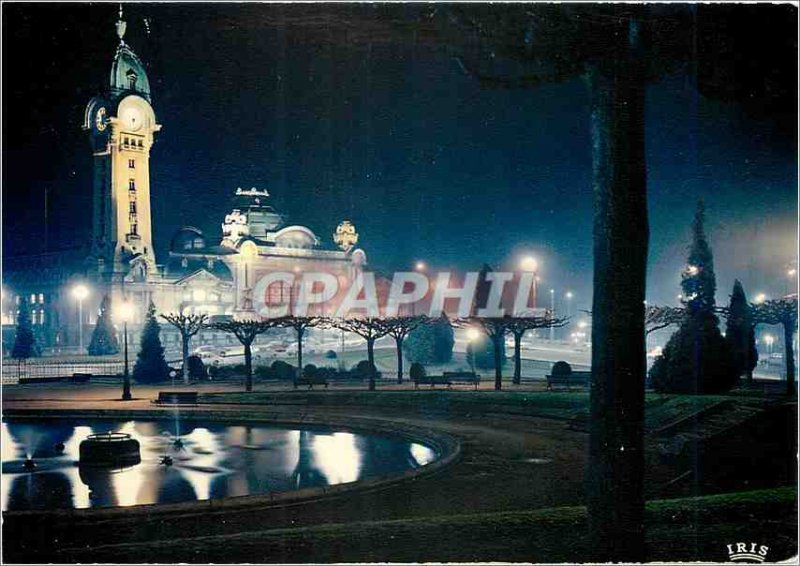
(760, 298)
(80, 292)
(472, 336)
(790, 274)
(419, 267)
(126, 313)
(529, 264)
(552, 311)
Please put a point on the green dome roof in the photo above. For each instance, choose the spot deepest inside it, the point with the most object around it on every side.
(128, 73)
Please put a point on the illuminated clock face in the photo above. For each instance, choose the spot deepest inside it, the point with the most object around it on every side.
(132, 118)
(100, 119)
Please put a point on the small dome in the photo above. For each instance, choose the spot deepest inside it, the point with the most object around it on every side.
(128, 73)
(296, 237)
(187, 239)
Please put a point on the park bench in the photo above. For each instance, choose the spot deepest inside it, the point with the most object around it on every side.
(311, 381)
(177, 398)
(568, 380)
(431, 380)
(80, 378)
(469, 377)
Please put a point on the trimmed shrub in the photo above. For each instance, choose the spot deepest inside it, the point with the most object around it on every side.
(431, 343)
(561, 368)
(197, 369)
(417, 371)
(282, 370)
(310, 370)
(331, 355)
(363, 370)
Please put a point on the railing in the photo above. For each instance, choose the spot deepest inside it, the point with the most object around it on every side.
(14, 371)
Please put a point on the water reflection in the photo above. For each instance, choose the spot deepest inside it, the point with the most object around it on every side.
(209, 461)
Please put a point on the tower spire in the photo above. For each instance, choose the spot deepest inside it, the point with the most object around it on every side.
(121, 26)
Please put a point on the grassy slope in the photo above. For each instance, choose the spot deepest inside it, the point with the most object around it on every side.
(678, 529)
(660, 409)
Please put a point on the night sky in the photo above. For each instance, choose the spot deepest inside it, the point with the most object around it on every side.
(342, 120)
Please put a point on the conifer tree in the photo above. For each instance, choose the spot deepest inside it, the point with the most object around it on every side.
(740, 332)
(104, 337)
(151, 367)
(696, 359)
(25, 342)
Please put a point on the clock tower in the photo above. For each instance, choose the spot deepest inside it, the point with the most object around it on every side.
(121, 125)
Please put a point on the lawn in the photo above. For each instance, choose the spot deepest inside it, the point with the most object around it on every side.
(677, 530)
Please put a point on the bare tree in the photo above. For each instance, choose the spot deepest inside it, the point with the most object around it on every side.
(784, 312)
(245, 332)
(399, 328)
(517, 326)
(300, 324)
(370, 329)
(658, 317)
(188, 325)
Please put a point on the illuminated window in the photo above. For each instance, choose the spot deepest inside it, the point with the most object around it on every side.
(33, 298)
(131, 164)
(135, 229)
(41, 298)
(131, 185)
(133, 207)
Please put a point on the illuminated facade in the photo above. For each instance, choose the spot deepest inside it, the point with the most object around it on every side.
(201, 274)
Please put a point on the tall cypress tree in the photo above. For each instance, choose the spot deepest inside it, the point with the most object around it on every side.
(698, 281)
(697, 359)
(151, 367)
(104, 337)
(740, 332)
(25, 342)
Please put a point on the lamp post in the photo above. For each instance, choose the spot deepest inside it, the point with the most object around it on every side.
(126, 313)
(472, 335)
(529, 264)
(760, 298)
(419, 267)
(80, 292)
(769, 340)
(552, 311)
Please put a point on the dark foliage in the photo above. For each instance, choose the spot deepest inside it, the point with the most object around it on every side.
(696, 360)
(561, 368)
(281, 370)
(197, 369)
(104, 337)
(310, 370)
(331, 355)
(365, 370)
(24, 342)
(417, 371)
(482, 352)
(431, 343)
(151, 367)
(740, 332)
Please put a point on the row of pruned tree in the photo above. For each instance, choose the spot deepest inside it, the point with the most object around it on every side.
(371, 329)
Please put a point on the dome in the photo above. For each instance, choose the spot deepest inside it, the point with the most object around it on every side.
(187, 239)
(295, 237)
(128, 73)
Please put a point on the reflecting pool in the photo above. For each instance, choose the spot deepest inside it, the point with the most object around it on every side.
(209, 460)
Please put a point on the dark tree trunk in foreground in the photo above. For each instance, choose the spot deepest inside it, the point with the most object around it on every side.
(615, 475)
(517, 358)
(399, 345)
(185, 353)
(371, 359)
(299, 372)
(498, 362)
(248, 368)
(788, 336)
